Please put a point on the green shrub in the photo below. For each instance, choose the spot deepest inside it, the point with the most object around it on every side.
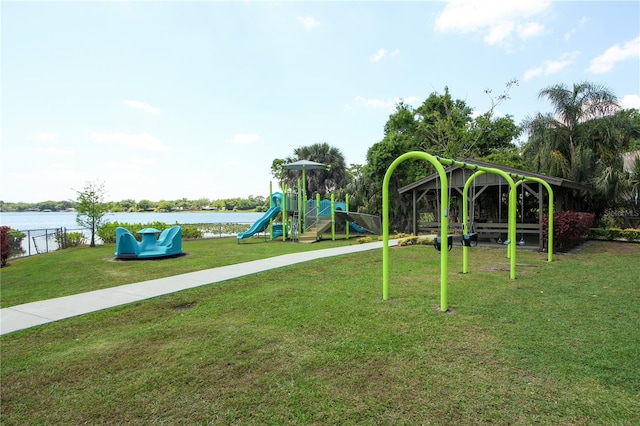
(629, 234)
(425, 240)
(408, 241)
(415, 240)
(107, 232)
(191, 232)
(598, 233)
(75, 239)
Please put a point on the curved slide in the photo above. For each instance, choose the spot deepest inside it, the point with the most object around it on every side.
(358, 228)
(262, 223)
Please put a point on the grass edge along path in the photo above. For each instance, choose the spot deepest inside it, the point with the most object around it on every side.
(32, 314)
(84, 269)
(315, 344)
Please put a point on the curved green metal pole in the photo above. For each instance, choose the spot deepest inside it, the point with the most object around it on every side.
(511, 226)
(271, 205)
(304, 199)
(300, 207)
(465, 220)
(346, 207)
(511, 233)
(333, 217)
(550, 222)
(285, 203)
(444, 224)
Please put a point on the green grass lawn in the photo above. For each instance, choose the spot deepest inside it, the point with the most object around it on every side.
(315, 344)
(82, 269)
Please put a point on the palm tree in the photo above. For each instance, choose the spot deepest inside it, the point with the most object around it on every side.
(568, 143)
(322, 182)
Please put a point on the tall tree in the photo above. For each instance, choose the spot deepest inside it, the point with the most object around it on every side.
(583, 140)
(322, 182)
(562, 143)
(91, 208)
(441, 126)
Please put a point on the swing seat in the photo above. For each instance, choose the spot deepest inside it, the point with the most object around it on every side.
(470, 240)
(437, 242)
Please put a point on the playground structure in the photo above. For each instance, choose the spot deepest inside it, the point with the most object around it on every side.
(438, 163)
(168, 244)
(308, 221)
(305, 220)
(324, 215)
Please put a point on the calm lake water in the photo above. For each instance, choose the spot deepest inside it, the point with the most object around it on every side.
(39, 227)
(49, 220)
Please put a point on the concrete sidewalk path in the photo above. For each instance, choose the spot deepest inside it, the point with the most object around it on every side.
(28, 315)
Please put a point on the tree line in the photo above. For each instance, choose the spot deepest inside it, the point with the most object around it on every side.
(583, 138)
(251, 203)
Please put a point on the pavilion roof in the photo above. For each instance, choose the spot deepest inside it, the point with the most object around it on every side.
(426, 183)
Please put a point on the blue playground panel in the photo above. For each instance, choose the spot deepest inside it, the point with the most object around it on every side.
(168, 244)
(325, 211)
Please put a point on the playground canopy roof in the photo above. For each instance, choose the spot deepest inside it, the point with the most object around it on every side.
(304, 164)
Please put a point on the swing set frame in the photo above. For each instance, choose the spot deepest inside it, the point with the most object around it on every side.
(439, 163)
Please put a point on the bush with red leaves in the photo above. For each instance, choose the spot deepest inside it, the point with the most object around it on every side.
(5, 246)
(570, 229)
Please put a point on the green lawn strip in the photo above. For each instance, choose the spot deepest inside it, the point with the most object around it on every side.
(78, 270)
(315, 344)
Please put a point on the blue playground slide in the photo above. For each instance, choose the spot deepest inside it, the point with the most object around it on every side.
(358, 228)
(263, 223)
(343, 207)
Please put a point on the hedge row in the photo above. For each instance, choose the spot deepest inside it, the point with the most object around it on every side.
(629, 234)
(107, 232)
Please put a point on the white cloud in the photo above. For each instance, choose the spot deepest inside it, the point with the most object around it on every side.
(61, 166)
(382, 53)
(551, 67)
(498, 33)
(142, 141)
(141, 105)
(135, 164)
(496, 20)
(616, 53)
(568, 35)
(56, 151)
(630, 101)
(46, 137)
(309, 22)
(47, 145)
(529, 30)
(246, 138)
(571, 32)
(387, 104)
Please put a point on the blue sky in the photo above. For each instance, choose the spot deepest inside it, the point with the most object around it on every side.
(164, 100)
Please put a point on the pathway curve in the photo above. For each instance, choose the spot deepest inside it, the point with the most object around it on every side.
(32, 314)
